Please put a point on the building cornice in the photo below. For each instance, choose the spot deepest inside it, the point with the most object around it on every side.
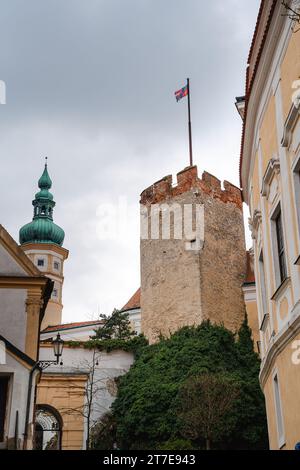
(46, 247)
(254, 223)
(273, 169)
(277, 344)
(25, 282)
(289, 125)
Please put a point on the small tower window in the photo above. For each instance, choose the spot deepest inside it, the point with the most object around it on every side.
(41, 262)
(55, 293)
(56, 265)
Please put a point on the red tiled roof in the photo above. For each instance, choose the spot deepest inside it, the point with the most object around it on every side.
(250, 276)
(271, 4)
(67, 326)
(134, 301)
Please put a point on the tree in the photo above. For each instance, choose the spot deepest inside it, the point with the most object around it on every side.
(116, 326)
(146, 408)
(204, 403)
(103, 433)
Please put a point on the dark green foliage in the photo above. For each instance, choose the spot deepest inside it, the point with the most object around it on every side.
(205, 405)
(134, 344)
(116, 326)
(176, 444)
(146, 408)
(115, 333)
(103, 434)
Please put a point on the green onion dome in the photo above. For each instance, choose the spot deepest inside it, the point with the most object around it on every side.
(42, 229)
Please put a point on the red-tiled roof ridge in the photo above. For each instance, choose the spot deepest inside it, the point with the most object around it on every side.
(66, 326)
(255, 30)
(134, 301)
(250, 80)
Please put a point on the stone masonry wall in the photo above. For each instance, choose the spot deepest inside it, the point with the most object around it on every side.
(180, 287)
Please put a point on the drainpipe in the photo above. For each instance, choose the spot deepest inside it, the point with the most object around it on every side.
(25, 434)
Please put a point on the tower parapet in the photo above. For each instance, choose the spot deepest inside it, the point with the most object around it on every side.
(188, 180)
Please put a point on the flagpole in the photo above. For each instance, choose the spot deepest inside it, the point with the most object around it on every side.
(190, 124)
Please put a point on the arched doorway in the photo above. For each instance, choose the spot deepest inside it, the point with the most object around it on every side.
(48, 428)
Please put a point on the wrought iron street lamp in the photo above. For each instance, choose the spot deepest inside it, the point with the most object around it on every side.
(58, 345)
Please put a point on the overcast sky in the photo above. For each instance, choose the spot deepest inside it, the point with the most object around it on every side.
(90, 84)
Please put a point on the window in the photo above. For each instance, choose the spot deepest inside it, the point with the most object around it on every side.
(278, 409)
(263, 284)
(280, 247)
(41, 262)
(55, 293)
(3, 402)
(48, 428)
(56, 265)
(258, 345)
(297, 189)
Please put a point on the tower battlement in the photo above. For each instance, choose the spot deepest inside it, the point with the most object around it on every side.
(183, 286)
(188, 180)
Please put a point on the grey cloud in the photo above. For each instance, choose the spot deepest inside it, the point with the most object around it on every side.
(91, 85)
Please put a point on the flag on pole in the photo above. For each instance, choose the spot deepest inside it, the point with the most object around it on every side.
(185, 91)
(181, 93)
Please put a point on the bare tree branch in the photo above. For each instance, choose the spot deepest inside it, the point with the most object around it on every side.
(292, 14)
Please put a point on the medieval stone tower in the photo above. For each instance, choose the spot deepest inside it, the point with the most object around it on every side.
(42, 241)
(197, 276)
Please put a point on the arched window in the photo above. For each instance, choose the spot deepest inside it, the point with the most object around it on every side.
(48, 428)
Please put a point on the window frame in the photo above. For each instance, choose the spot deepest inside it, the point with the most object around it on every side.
(57, 268)
(279, 252)
(278, 410)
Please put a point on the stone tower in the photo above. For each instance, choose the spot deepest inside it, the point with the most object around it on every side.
(196, 277)
(42, 241)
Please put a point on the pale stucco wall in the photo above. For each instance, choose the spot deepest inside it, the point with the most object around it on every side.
(13, 317)
(62, 390)
(8, 265)
(17, 402)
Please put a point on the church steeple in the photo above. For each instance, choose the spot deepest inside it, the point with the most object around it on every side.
(45, 180)
(42, 228)
(41, 240)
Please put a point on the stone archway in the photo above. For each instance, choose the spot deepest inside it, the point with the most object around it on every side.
(48, 428)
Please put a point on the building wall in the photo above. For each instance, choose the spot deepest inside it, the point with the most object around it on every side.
(179, 286)
(64, 392)
(8, 264)
(18, 372)
(271, 153)
(22, 294)
(13, 318)
(287, 370)
(252, 313)
(62, 387)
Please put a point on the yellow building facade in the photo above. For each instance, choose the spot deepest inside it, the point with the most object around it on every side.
(270, 179)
